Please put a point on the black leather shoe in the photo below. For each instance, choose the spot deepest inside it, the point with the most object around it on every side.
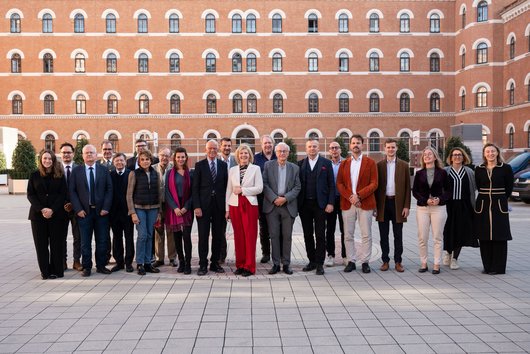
(150, 269)
(180, 269)
(53, 276)
(103, 270)
(366, 268)
(320, 270)
(129, 268)
(158, 263)
(216, 268)
(247, 273)
(238, 271)
(187, 269)
(350, 267)
(202, 271)
(86, 272)
(436, 271)
(275, 269)
(309, 267)
(423, 270)
(266, 258)
(287, 270)
(141, 269)
(117, 268)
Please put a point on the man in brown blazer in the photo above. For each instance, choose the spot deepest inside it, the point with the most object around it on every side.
(393, 202)
(357, 182)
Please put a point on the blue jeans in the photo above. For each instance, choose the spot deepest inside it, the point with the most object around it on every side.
(144, 241)
(99, 225)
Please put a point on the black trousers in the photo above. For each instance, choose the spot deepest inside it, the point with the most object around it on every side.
(494, 255)
(212, 218)
(183, 237)
(314, 222)
(76, 236)
(48, 236)
(264, 237)
(397, 230)
(123, 228)
(331, 225)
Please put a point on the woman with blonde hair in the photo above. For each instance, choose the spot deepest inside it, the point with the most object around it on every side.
(431, 190)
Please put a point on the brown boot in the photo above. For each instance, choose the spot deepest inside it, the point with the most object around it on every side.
(384, 267)
(399, 268)
(77, 266)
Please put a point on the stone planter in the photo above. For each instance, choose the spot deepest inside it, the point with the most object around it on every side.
(17, 186)
(3, 179)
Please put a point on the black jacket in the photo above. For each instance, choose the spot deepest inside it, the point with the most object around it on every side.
(46, 192)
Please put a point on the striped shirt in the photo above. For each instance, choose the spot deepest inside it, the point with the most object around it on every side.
(458, 178)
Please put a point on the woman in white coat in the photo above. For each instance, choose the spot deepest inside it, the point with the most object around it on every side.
(244, 185)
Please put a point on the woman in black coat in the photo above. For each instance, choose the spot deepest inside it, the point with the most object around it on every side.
(492, 225)
(47, 194)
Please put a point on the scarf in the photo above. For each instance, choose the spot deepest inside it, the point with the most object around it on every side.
(174, 222)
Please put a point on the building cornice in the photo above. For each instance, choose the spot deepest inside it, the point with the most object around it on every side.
(515, 10)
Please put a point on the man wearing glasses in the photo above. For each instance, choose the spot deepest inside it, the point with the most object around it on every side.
(132, 162)
(106, 155)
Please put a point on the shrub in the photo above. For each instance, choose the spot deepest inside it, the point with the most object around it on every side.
(292, 153)
(24, 160)
(78, 151)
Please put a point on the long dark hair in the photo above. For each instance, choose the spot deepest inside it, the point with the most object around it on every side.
(181, 150)
(56, 170)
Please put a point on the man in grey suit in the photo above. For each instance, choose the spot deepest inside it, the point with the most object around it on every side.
(281, 186)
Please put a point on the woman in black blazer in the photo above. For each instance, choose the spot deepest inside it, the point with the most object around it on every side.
(47, 194)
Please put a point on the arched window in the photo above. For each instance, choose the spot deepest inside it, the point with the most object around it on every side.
(47, 63)
(174, 23)
(312, 62)
(142, 23)
(175, 141)
(511, 94)
(210, 23)
(278, 138)
(15, 23)
(115, 141)
(463, 101)
(276, 62)
(237, 103)
(276, 23)
(374, 144)
(344, 103)
(511, 138)
(251, 23)
(49, 104)
(374, 102)
(528, 92)
(404, 62)
(434, 23)
(482, 53)
(374, 62)
(79, 63)
(313, 103)
(49, 142)
(313, 136)
(174, 104)
(463, 58)
(405, 137)
(404, 102)
(482, 97)
(374, 23)
(80, 137)
(482, 11)
(16, 63)
(251, 63)
(343, 23)
(464, 18)
(344, 62)
(174, 63)
(404, 23)
(312, 23)
(79, 23)
(434, 102)
(110, 23)
(47, 23)
(237, 65)
(80, 104)
(345, 138)
(143, 104)
(277, 103)
(211, 136)
(143, 63)
(16, 104)
(210, 63)
(236, 23)
(512, 48)
(112, 104)
(434, 140)
(211, 104)
(252, 103)
(112, 63)
(435, 62)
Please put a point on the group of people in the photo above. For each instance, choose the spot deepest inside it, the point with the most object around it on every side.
(263, 192)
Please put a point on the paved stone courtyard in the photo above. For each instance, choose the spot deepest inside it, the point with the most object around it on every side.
(383, 312)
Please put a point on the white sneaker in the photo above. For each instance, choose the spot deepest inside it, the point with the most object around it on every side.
(454, 264)
(447, 259)
(330, 261)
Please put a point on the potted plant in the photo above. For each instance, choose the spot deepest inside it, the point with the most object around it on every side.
(24, 163)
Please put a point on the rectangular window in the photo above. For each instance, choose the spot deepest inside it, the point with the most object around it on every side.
(277, 25)
(251, 65)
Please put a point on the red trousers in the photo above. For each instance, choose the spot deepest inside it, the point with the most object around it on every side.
(245, 223)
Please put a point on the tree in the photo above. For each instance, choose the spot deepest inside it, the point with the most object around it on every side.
(78, 152)
(3, 164)
(456, 141)
(403, 150)
(343, 147)
(292, 152)
(24, 160)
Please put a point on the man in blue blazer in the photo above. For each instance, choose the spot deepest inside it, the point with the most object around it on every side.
(316, 198)
(90, 189)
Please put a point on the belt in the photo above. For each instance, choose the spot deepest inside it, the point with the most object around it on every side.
(391, 197)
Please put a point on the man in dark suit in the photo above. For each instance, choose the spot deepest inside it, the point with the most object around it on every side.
(120, 222)
(67, 156)
(316, 198)
(281, 186)
(106, 155)
(132, 162)
(208, 194)
(91, 196)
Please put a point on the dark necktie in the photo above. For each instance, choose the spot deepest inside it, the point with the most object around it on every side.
(212, 170)
(120, 173)
(68, 173)
(92, 187)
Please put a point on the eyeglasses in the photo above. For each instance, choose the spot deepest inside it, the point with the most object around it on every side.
(67, 152)
(141, 146)
(107, 149)
(334, 148)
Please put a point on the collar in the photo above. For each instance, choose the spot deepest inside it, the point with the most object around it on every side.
(391, 161)
(359, 159)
